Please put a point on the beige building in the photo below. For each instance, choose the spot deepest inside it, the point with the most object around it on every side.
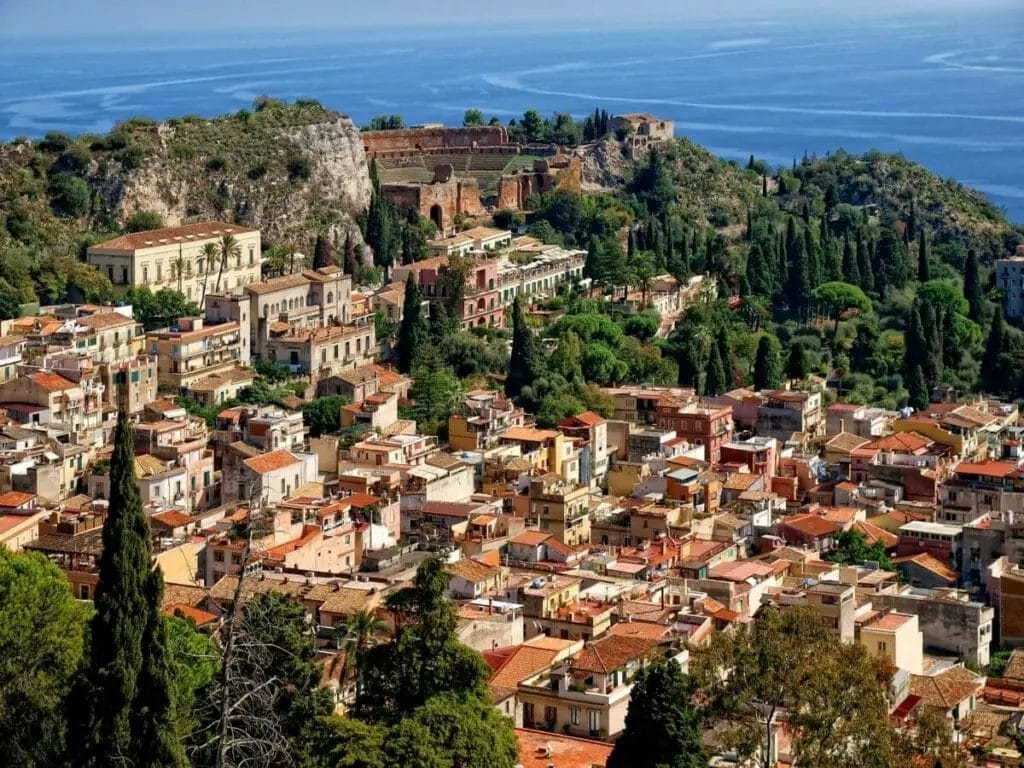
(895, 638)
(173, 258)
(323, 352)
(190, 352)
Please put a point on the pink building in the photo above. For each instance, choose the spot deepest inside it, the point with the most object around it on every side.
(482, 304)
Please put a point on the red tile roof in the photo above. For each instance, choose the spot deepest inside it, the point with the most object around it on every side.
(612, 652)
(15, 498)
(946, 689)
(565, 751)
(268, 462)
(172, 519)
(811, 525)
(52, 382)
(169, 235)
(199, 616)
(929, 563)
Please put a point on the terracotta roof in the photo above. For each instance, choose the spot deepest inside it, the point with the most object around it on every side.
(1015, 665)
(52, 382)
(930, 563)
(472, 571)
(103, 320)
(988, 468)
(523, 663)
(846, 441)
(199, 616)
(277, 284)
(647, 630)
(268, 462)
(15, 498)
(740, 481)
(183, 594)
(811, 525)
(172, 519)
(171, 235)
(566, 751)
(875, 535)
(909, 442)
(946, 689)
(529, 434)
(530, 538)
(346, 601)
(612, 652)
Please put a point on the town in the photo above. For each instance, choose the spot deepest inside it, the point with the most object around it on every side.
(299, 438)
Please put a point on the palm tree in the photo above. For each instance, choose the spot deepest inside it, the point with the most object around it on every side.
(355, 635)
(228, 247)
(178, 269)
(209, 253)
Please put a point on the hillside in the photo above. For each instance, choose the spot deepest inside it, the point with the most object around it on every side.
(719, 192)
(291, 170)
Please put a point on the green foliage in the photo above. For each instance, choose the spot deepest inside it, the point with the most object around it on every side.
(424, 658)
(473, 117)
(412, 333)
(299, 167)
(69, 195)
(788, 660)
(436, 393)
(194, 658)
(663, 726)
(768, 372)
(140, 221)
(41, 632)
(323, 415)
(385, 123)
(797, 367)
(526, 363)
(161, 309)
(852, 548)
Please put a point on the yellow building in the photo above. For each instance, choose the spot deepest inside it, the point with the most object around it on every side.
(174, 258)
(544, 448)
(895, 638)
(561, 509)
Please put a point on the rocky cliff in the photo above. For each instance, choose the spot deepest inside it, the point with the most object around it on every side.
(290, 170)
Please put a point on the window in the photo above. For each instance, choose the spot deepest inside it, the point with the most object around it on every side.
(574, 715)
(282, 485)
(218, 556)
(145, 274)
(83, 594)
(550, 715)
(594, 719)
(881, 647)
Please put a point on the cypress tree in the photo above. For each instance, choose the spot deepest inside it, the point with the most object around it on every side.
(684, 254)
(815, 259)
(592, 266)
(526, 362)
(924, 273)
(851, 273)
(931, 358)
(157, 743)
(768, 363)
(760, 272)
(322, 256)
(750, 225)
(912, 220)
(917, 388)
(715, 382)
(995, 345)
(764, 185)
(127, 700)
(725, 352)
(798, 278)
(797, 366)
(972, 287)
(864, 267)
(412, 331)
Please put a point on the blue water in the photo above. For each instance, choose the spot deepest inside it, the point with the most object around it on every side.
(946, 91)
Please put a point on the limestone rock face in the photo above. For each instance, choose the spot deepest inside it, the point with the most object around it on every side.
(289, 181)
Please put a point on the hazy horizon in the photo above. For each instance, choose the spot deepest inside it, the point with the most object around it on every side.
(59, 19)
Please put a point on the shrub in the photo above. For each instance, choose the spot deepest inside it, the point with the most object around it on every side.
(130, 157)
(54, 141)
(299, 168)
(140, 221)
(75, 159)
(257, 172)
(216, 163)
(70, 195)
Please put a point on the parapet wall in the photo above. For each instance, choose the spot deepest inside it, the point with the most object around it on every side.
(386, 143)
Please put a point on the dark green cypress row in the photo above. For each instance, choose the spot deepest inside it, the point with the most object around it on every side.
(123, 612)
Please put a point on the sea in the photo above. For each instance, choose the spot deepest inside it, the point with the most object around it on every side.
(945, 90)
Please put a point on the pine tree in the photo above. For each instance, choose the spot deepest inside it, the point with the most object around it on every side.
(322, 256)
(797, 366)
(768, 363)
(924, 273)
(972, 287)
(995, 345)
(851, 273)
(412, 331)
(126, 700)
(526, 362)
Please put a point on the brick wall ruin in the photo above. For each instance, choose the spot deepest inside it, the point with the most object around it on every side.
(416, 140)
